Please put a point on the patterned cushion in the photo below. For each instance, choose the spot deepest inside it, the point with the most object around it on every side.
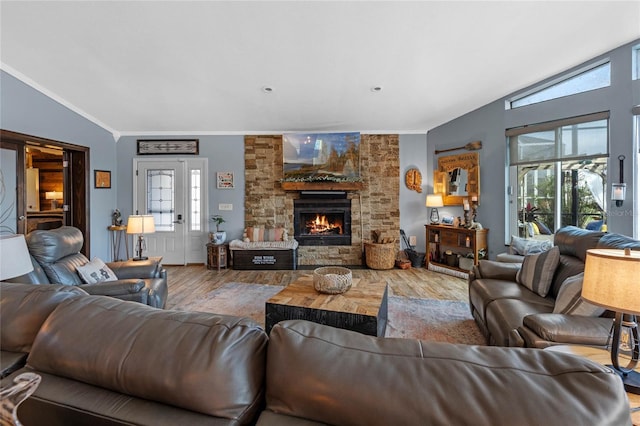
(537, 271)
(525, 246)
(570, 302)
(258, 234)
(95, 272)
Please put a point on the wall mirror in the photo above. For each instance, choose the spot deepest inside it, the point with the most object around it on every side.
(457, 178)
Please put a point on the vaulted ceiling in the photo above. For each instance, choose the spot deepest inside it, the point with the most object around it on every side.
(203, 67)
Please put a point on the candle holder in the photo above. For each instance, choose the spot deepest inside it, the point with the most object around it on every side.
(474, 210)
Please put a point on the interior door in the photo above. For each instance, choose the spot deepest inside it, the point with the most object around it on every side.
(12, 214)
(173, 191)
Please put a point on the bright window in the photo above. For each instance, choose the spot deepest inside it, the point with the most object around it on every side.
(559, 173)
(582, 81)
(636, 62)
(161, 197)
(195, 200)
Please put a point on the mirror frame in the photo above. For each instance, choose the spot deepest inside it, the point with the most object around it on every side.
(469, 162)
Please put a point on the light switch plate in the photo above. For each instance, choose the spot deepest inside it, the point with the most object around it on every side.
(225, 206)
(413, 240)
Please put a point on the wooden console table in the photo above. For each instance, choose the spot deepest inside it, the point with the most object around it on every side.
(458, 240)
(118, 235)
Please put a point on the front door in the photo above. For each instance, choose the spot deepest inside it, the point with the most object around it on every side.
(174, 193)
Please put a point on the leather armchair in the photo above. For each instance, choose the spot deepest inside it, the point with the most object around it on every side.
(55, 255)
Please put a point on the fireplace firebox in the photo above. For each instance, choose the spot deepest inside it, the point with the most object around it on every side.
(322, 218)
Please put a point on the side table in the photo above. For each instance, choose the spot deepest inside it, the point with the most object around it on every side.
(600, 356)
(217, 255)
(118, 234)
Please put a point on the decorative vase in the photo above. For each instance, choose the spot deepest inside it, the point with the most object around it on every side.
(219, 237)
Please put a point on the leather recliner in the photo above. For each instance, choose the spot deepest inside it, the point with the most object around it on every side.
(55, 255)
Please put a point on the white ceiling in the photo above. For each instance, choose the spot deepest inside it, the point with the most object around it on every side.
(175, 67)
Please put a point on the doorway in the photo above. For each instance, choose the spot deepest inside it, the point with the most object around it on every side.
(44, 185)
(174, 191)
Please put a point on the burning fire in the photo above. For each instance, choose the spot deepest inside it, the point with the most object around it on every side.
(321, 225)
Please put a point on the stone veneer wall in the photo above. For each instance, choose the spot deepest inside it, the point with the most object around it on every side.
(375, 207)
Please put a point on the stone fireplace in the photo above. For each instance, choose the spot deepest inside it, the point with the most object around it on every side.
(374, 205)
(322, 218)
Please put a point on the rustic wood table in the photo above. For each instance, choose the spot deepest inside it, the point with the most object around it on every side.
(363, 308)
(601, 356)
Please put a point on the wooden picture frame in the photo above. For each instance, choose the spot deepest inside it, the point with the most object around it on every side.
(224, 180)
(102, 179)
(168, 146)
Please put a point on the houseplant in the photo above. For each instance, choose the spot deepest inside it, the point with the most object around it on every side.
(218, 237)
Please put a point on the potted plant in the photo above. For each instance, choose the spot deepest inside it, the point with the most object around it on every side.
(218, 237)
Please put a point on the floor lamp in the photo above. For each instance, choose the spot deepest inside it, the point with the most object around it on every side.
(140, 225)
(611, 281)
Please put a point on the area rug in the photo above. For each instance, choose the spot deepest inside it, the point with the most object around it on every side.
(425, 319)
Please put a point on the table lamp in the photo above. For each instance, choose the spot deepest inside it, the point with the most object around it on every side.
(611, 281)
(434, 201)
(54, 196)
(14, 256)
(140, 224)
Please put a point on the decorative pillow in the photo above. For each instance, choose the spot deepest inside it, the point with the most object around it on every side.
(544, 230)
(537, 271)
(95, 272)
(525, 246)
(255, 233)
(570, 302)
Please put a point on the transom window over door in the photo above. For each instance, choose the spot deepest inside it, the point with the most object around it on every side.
(558, 175)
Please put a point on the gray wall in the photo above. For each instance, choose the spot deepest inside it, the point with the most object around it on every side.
(489, 122)
(26, 110)
(413, 213)
(224, 153)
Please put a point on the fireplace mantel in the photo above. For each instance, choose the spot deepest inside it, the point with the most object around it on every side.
(322, 186)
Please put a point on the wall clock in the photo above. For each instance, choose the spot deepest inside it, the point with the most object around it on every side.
(413, 179)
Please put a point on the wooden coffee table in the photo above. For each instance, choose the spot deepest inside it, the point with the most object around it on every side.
(363, 308)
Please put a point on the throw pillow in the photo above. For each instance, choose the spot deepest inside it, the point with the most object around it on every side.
(569, 300)
(95, 272)
(255, 233)
(537, 271)
(525, 246)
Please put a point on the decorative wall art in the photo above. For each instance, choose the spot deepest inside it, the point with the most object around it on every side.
(321, 157)
(168, 146)
(102, 178)
(225, 180)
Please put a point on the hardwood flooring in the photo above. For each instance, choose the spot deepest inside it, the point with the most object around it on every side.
(189, 283)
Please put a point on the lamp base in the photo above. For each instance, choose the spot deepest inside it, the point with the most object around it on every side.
(140, 258)
(631, 380)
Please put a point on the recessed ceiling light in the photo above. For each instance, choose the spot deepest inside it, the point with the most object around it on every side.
(376, 89)
(268, 89)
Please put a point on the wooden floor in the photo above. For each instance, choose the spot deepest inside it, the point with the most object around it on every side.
(189, 283)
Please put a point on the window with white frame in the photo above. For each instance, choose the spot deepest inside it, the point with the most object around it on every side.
(590, 78)
(636, 62)
(558, 172)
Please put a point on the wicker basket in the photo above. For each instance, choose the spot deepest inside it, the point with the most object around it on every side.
(380, 256)
(332, 279)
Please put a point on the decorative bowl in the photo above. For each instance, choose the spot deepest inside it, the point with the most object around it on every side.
(332, 279)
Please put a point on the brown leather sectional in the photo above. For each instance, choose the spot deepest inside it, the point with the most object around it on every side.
(509, 314)
(104, 361)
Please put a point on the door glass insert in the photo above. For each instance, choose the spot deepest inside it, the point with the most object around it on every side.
(161, 198)
(195, 200)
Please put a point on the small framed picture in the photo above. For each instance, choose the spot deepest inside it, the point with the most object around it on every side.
(225, 180)
(102, 178)
(447, 220)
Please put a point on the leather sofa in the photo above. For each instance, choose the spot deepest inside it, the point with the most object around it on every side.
(104, 362)
(509, 314)
(55, 255)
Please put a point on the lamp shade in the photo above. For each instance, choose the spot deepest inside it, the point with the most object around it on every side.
(53, 195)
(14, 257)
(141, 224)
(434, 200)
(611, 279)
